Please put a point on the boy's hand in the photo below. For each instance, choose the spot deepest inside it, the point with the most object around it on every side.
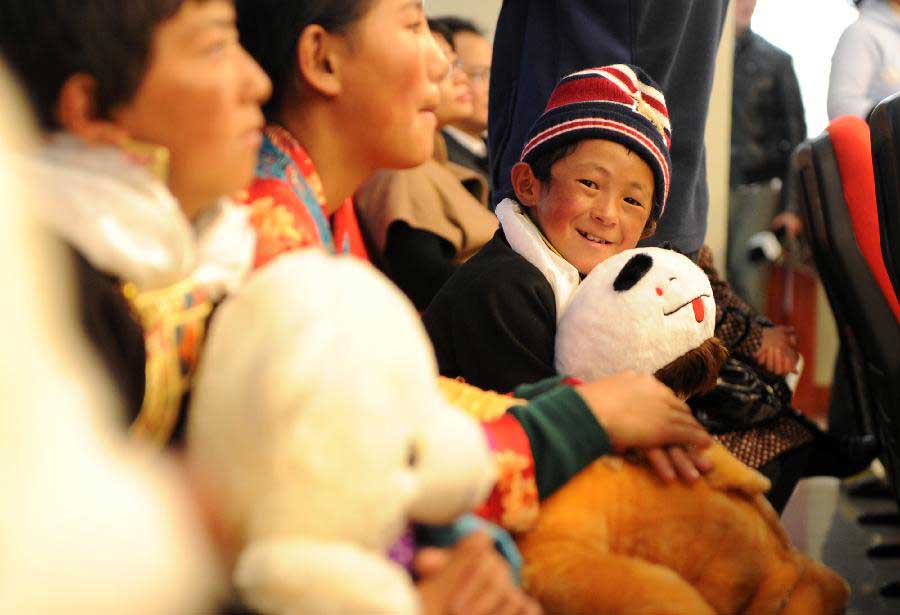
(778, 353)
(469, 578)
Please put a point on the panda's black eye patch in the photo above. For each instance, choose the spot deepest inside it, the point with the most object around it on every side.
(636, 268)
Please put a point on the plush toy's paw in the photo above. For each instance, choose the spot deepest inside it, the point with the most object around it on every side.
(819, 590)
(729, 474)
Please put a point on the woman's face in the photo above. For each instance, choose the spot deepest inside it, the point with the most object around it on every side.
(201, 99)
(456, 88)
(389, 85)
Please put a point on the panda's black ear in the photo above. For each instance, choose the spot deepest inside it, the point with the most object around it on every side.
(636, 268)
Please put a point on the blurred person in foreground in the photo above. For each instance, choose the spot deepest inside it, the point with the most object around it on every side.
(151, 115)
(89, 523)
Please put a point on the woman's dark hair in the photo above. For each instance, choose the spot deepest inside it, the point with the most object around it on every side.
(438, 27)
(45, 42)
(270, 30)
(456, 24)
(542, 165)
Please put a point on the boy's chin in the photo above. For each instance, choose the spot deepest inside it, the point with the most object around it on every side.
(586, 264)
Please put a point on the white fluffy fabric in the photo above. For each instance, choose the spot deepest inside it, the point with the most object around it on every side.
(604, 331)
(317, 417)
(126, 222)
(527, 240)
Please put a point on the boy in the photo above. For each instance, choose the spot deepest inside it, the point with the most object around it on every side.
(591, 182)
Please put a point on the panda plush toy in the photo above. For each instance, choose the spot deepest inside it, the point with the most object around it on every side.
(616, 539)
(640, 309)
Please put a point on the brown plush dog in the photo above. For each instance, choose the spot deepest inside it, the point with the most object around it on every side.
(616, 539)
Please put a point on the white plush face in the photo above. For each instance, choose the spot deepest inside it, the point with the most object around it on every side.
(316, 411)
(638, 310)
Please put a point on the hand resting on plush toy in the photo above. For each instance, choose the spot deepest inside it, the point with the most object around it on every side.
(470, 578)
(664, 428)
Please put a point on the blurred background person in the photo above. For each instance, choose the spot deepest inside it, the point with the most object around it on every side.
(865, 67)
(466, 137)
(767, 124)
(425, 221)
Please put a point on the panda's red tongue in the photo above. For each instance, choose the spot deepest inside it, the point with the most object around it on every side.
(698, 309)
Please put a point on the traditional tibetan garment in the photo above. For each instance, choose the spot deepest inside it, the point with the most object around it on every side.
(288, 208)
(148, 277)
(289, 213)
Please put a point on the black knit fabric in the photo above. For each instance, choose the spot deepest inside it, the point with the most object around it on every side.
(494, 322)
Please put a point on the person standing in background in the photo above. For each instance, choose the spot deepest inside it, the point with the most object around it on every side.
(539, 41)
(767, 123)
(865, 67)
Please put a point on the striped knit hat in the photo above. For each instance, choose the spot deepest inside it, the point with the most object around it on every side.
(618, 103)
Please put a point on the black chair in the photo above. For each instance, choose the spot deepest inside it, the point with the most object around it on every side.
(868, 328)
(815, 173)
(884, 124)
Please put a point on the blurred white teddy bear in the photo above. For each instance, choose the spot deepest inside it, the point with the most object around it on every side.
(317, 419)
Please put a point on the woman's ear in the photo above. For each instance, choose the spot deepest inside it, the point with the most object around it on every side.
(319, 60)
(76, 112)
(526, 186)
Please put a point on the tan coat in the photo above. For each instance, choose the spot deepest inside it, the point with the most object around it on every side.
(437, 196)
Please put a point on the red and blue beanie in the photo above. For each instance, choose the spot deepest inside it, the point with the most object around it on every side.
(618, 103)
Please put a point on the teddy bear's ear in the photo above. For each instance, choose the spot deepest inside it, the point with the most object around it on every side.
(635, 269)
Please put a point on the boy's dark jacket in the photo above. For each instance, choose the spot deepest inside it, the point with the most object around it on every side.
(494, 322)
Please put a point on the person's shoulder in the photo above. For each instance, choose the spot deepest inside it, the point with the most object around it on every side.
(497, 264)
(769, 49)
(494, 271)
(860, 33)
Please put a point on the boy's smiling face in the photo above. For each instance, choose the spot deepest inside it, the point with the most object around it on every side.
(596, 203)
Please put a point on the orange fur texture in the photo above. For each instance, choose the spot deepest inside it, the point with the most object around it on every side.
(617, 541)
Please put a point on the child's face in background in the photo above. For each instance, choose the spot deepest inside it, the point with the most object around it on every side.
(596, 204)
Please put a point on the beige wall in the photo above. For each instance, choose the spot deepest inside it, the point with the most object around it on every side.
(718, 144)
(482, 12)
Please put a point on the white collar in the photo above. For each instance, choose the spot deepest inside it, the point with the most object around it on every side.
(475, 145)
(526, 239)
(127, 223)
